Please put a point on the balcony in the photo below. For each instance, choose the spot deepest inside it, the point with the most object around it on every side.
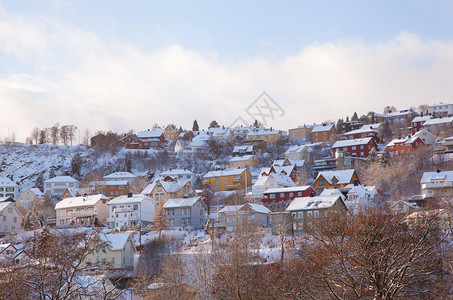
(437, 185)
(85, 213)
(123, 210)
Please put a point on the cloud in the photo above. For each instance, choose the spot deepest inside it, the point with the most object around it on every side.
(76, 77)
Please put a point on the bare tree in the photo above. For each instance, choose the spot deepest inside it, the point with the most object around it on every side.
(54, 133)
(139, 184)
(35, 135)
(86, 137)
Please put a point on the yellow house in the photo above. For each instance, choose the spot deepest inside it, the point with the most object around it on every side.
(243, 161)
(268, 135)
(323, 133)
(170, 133)
(230, 179)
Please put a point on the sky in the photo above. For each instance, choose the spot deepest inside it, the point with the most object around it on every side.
(122, 65)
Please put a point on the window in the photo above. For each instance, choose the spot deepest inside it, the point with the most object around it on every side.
(135, 206)
(362, 154)
(4, 218)
(10, 189)
(272, 196)
(227, 178)
(321, 182)
(15, 220)
(361, 147)
(299, 193)
(353, 147)
(217, 179)
(291, 194)
(316, 213)
(282, 195)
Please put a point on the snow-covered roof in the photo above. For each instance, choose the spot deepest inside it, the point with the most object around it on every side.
(229, 172)
(421, 119)
(438, 121)
(173, 172)
(241, 158)
(4, 205)
(115, 241)
(219, 131)
(113, 182)
(371, 126)
(437, 176)
(138, 198)
(354, 142)
(262, 131)
(282, 180)
(343, 176)
(168, 186)
(4, 199)
(6, 182)
(119, 175)
(406, 140)
(333, 192)
(359, 190)
(255, 207)
(311, 203)
(61, 179)
(244, 148)
(37, 192)
(181, 202)
(151, 133)
(80, 201)
(322, 127)
(361, 130)
(287, 189)
(295, 149)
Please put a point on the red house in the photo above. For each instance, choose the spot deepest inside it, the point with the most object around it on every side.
(361, 134)
(417, 123)
(287, 193)
(355, 147)
(406, 145)
(152, 139)
(290, 171)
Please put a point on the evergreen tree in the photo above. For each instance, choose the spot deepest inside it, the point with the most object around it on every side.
(256, 124)
(354, 117)
(40, 182)
(76, 164)
(128, 162)
(384, 159)
(195, 126)
(52, 173)
(213, 124)
(339, 125)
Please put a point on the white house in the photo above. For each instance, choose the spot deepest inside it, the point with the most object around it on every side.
(180, 174)
(221, 133)
(26, 198)
(120, 176)
(248, 215)
(187, 213)
(130, 211)
(8, 188)
(438, 183)
(57, 185)
(10, 218)
(441, 109)
(84, 210)
(272, 181)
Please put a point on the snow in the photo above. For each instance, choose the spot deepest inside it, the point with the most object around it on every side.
(343, 176)
(229, 172)
(37, 192)
(116, 241)
(438, 121)
(129, 200)
(321, 128)
(6, 182)
(119, 175)
(80, 201)
(61, 179)
(174, 172)
(181, 202)
(348, 143)
(169, 186)
(309, 203)
(241, 158)
(287, 189)
(255, 207)
(444, 176)
(150, 134)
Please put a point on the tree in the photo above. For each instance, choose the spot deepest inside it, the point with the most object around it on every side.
(160, 219)
(76, 164)
(213, 124)
(86, 137)
(92, 183)
(139, 184)
(39, 183)
(54, 133)
(43, 136)
(339, 126)
(128, 162)
(423, 109)
(195, 126)
(354, 117)
(384, 158)
(35, 135)
(388, 109)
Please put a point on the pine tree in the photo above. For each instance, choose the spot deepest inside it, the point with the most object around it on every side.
(40, 181)
(160, 219)
(213, 124)
(384, 159)
(354, 117)
(195, 126)
(128, 162)
(76, 164)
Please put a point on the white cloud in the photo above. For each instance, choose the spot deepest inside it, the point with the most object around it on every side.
(79, 78)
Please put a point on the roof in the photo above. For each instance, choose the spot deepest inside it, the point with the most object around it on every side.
(151, 133)
(113, 182)
(343, 176)
(435, 176)
(229, 172)
(37, 192)
(117, 175)
(173, 172)
(4, 205)
(287, 189)
(244, 148)
(359, 190)
(438, 121)
(138, 198)
(283, 180)
(322, 127)
(360, 130)
(61, 179)
(169, 186)
(262, 131)
(407, 140)
(255, 207)
(355, 142)
(116, 241)
(295, 149)
(241, 158)
(181, 202)
(310, 203)
(371, 126)
(4, 181)
(80, 201)
(421, 119)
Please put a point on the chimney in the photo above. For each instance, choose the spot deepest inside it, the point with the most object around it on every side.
(129, 195)
(312, 194)
(439, 170)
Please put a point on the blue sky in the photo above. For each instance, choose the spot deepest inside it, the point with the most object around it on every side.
(112, 64)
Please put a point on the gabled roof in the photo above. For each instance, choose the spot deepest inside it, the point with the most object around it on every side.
(115, 241)
(80, 201)
(244, 148)
(359, 190)
(37, 192)
(262, 131)
(151, 133)
(182, 202)
(355, 142)
(60, 179)
(438, 121)
(361, 130)
(421, 119)
(241, 158)
(173, 172)
(138, 198)
(435, 176)
(282, 180)
(406, 140)
(255, 207)
(313, 203)
(322, 127)
(295, 149)
(287, 189)
(229, 172)
(371, 126)
(343, 176)
(119, 175)
(168, 186)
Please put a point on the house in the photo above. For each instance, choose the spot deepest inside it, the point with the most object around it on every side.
(10, 218)
(229, 179)
(290, 171)
(301, 134)
(243, 161)
(222, 134)
(69, 193)
(441, 110)
(323, 133)
(437, 184)
(8, 188)
(242, 131)
(306, 208)
(56, 186)
(112, 251)
(166, 188)
(359, 198)
(444, 146)
(355, 148)
(361, 133)
(351, 126)
(302, 152)
(435, 125)
(84, 210)
(114, 188)
(335, 179)
(403, 115)
(269, 136)
(243, 150)
(404, 207)
(405, 145)
(270, 181)
(152, 139)
(180, 174)
(198, 145)
(417, 123)
(26, 198)
(247, 216)
(120, 176)
(130, 211)
(187, 213)
(171, 133)
(286, 193)
(10, 253)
